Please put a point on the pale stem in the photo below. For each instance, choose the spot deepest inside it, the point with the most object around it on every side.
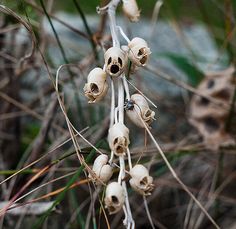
(121, 176)
(148, 212)
(126, 217)
(116, 114)
(121, 100)
(129, 159)
(126, 88)
(111, 157)
(123, 34)
(122, 169)
(129, 214)
(116, 43)
(111, 14)
(112, 103)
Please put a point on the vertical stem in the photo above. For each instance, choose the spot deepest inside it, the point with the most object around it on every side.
(127, 95)
(112, 113)
(121, 100)
(113, 28)
(116, 43)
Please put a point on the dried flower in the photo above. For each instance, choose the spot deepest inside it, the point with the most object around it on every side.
(140, 180)
(131, 10)
(140, 109)
(102, 170)
(138, 51)
(118, 138)
(96, 87)
(114, 198)
(115, 61)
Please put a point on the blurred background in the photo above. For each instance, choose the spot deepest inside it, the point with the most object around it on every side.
(190, 77)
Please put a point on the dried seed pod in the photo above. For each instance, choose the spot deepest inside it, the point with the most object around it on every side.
(118, 138)
(140, 180)
(208, 118)
(115, 61)
(140, 109)
(138, 51)
(114, 198)
(131, 68)
(130, 9)
(102, 170)
(96, 87)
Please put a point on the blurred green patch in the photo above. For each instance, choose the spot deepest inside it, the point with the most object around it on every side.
(193, 74)
(30, 132)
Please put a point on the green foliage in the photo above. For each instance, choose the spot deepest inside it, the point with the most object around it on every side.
(181, 62)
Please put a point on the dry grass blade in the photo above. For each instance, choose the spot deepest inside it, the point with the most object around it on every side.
(28, 110)
(218, 103)
(35, 177)
(53, 193)
(215, 195)
(72, 128)
(8, 11)
(43, 185)
(32, 209)
(174, 173)
(36, 161)
(58, 20)
(148, 212)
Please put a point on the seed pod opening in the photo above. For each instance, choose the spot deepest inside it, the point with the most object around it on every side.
(114, 198)
(115, 61)
(118, 138)
(140, 180)
(138, 51)
(102, 170)
(130, 9)
(96, 87)
(140, 109)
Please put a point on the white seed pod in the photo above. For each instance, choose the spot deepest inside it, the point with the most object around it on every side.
(115, 61)
(102, 170)
(114, 198)
(130, 69)
(118, 138)
(138, 51)
(130, 9)
(140, 109)
(96, 87)
(140, 180)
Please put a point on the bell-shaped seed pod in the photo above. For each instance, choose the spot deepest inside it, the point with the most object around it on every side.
(140, 180)
(115, 61)
(131, 68)
(114, 198)
(130, 9)
(118, 138)
(102, 170)
(139, 110)
(138, 51)
(96, 87)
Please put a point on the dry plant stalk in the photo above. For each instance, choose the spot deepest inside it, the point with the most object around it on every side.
(115, 65)
(137, 109)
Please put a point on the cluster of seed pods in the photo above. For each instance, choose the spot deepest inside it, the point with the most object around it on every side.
(135, 107)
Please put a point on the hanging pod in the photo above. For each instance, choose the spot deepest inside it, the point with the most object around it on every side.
(140, 109)
(115, 61)
(96, 87)
(114, 198)
(102, 169)
(140, 180)
(138, 51)
(130, 9)
(118, 138)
